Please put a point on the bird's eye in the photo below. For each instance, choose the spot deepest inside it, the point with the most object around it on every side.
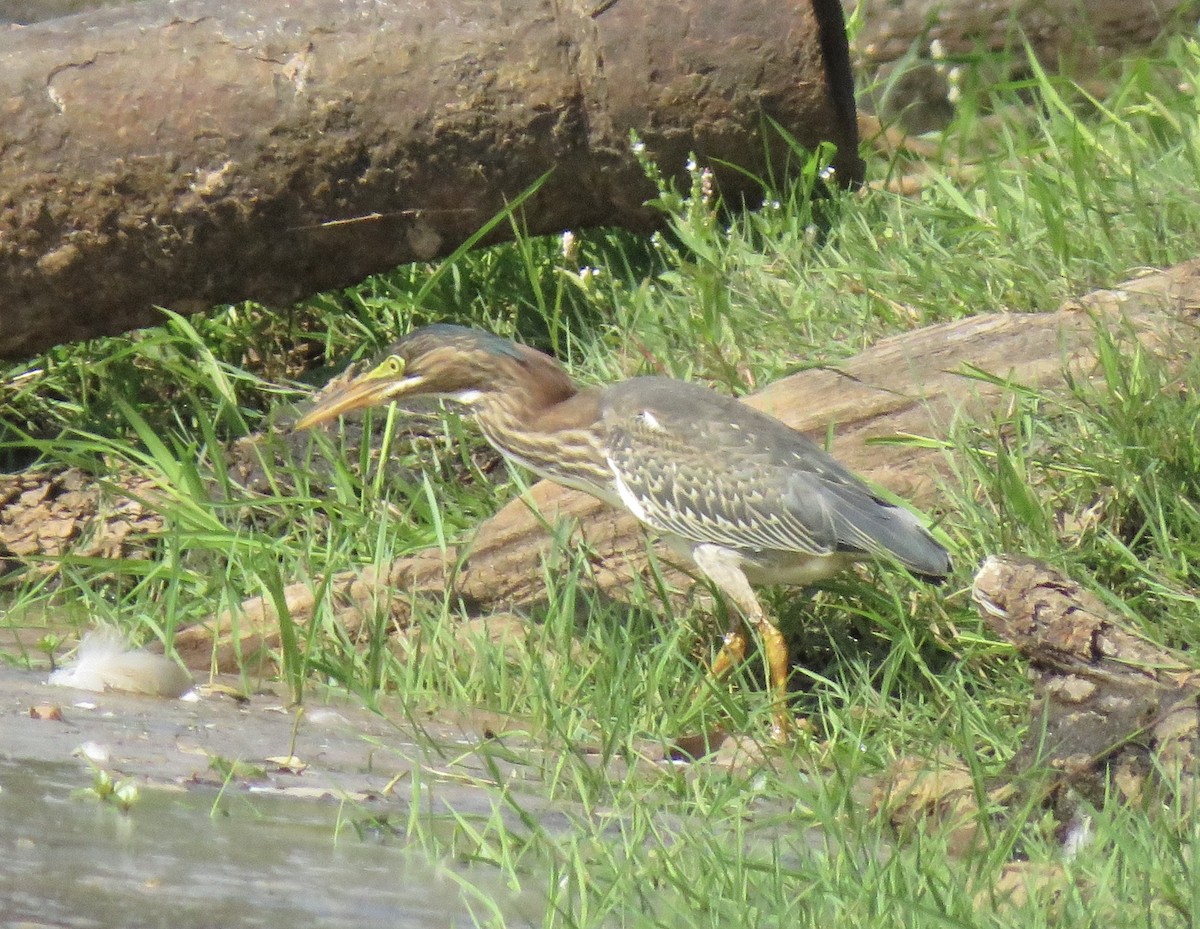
(392, 366)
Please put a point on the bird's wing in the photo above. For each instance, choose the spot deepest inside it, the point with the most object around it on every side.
(691, 462)
(696, 484)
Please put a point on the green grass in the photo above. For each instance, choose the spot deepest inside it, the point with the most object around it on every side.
(1056, 193)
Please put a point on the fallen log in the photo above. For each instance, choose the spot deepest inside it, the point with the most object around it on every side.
(910, 384)
(1113, 712)
(186, 153)
(1114, 716)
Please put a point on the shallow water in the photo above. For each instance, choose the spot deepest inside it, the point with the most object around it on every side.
(200, 858)
(34, 11)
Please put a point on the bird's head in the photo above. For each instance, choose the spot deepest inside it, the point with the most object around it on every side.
(467, 366)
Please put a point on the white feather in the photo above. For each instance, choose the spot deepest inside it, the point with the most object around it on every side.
(627, 496)
(104, 661)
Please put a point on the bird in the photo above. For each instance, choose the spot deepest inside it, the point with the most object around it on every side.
(738, 494)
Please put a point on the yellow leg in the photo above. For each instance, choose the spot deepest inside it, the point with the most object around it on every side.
(733, 650)
(723, 569)
(776, 651)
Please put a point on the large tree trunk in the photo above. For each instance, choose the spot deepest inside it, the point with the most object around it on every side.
(911, 384)
(182, 153)
(185, 153)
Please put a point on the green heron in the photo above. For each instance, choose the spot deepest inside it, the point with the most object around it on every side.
(742, 496)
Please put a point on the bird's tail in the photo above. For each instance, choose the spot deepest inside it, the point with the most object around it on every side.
(879, 527)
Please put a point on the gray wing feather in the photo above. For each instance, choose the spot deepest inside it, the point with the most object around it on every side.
(707, 468)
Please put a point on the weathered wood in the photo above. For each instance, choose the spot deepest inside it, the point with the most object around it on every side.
(186, 153)
(1113, 713)
(1114, 716)
(910, 384)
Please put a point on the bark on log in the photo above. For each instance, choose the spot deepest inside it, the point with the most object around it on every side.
(1114, 718)
(185, 153)
(1113, 713)
(910, 384)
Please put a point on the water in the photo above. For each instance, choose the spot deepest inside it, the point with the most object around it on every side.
(34, 11)
(202, 858)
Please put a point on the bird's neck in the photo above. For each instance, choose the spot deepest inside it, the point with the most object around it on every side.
(548, 427)
(543, 387)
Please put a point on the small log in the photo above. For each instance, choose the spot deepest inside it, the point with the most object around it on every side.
(1113, 712)
(910, 384)
(186, 153)
(1113, 715)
